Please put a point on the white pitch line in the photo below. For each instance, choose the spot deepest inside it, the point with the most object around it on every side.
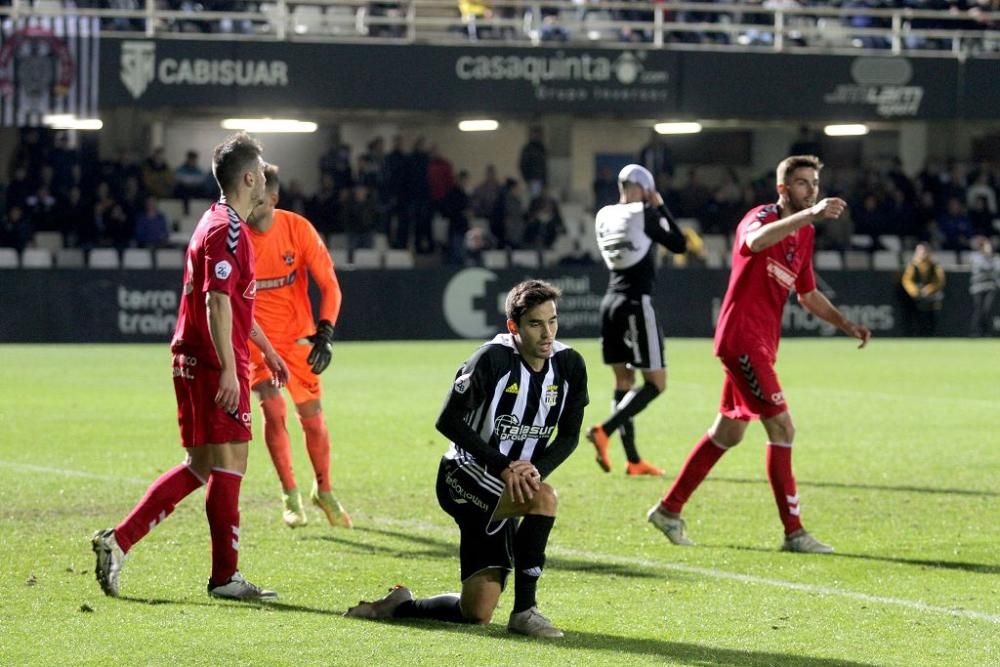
(709, 572)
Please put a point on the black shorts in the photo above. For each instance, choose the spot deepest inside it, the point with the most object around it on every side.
(630, 333)
(470, 494)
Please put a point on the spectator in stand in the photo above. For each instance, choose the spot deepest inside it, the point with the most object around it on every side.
(694, 196)
(533, 162)
(151, 228)
(337, 163)
(455, 207)
(19, 188)
(473, 13)
(605, 188)
(157, 176)
(360, 217)
(807, 143)
(485, 195)
(42, 210)
(294, 199)
(872, 218)
(324, 208)
(190, 181)
(419, 213)
(440, 177)
(118, 229)
(981, 187)
(655, 156)
(984, 283)
(955, 226)
(65, 161)
(397, 197)
(543, 222)
(132, 198)
(510, 231)
(16, 230)
(78, 224)
(477, 240)
(923, 281)
(726, 204)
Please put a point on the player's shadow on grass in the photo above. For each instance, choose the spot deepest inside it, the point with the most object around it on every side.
(865, 487)
(979, 568)
(430, 547)
(673, 652)
(232, 604)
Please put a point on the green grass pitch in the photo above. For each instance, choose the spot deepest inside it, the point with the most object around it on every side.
(897, 457)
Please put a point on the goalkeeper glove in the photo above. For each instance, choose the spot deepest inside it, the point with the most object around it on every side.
(322, 351)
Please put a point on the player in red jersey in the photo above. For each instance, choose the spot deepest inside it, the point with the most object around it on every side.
(211, 368)
(288, 251)
(772, 254)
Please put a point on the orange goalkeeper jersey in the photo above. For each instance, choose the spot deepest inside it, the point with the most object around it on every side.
(286, 255)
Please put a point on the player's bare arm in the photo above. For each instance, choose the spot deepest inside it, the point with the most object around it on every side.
(275, 364)
(220, 328)
(816, 303)
(765, 236)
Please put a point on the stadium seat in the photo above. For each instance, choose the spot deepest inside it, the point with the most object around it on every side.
(172, 209)
(308, 19)
(398, 259)
(885, 260)
(863, 241)
(828, 260)
(339, 257)
(891, 243)
(856, 260)
(36, 258)
(948, 259)
(169, 258)
(103, 258)
(367, 258)
(551, 258)
(137, 258)
(381, 242)
(525, 258)
(338, 241)
(9, 258)
(70, 258)
(51, 241)
(965, 257)
(714, 259)
(717, 243)
(495, 259)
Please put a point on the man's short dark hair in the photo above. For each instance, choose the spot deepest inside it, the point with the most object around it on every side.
(525, 296)
(793, 162)
(234, 156)
(271, 181)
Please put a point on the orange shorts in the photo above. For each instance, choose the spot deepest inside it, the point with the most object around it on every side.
(303, 384)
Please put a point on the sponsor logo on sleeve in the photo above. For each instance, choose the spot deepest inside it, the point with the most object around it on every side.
(462, 383)
(223, 269)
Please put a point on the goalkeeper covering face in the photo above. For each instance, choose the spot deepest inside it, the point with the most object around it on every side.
(288, 251)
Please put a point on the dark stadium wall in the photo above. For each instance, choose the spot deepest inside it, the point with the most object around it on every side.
(95, 306)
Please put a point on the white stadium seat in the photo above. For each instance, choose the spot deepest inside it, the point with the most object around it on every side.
(367, 258)
(169, 258)
(103, 258)
(9, 258)
(495, 259)
(829, 260)
(339, 257)
(70, 258)
(885, 260)
(398, 259)
(525, 258)
(36, 258)
(49, 240)
(137, 258)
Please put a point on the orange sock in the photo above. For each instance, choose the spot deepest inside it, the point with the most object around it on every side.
(318, 444)
(276, 437)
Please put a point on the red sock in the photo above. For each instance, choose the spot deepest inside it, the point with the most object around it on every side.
(276, 438)
(779, 471)
(161, 497)
(318, 444)
(222, 505)
(699, 462)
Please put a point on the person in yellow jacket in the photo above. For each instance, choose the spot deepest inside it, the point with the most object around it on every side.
(923, 281)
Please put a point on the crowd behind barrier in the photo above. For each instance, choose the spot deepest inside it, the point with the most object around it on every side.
(957, 26)
(404, 204)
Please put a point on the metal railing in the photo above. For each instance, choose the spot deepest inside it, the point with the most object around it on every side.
(669, 24)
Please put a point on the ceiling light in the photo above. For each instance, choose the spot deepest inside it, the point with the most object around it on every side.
(67, 121)
(483, 125)
(267, 125)
(846, 130)
(678, 128)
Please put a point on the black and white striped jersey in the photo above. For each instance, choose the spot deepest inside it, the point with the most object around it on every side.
(499, 409)
(626, 235)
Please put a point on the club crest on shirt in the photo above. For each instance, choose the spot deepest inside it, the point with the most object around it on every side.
(289, 257)
(551, 397)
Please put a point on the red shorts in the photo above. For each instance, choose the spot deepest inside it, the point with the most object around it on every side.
(751, 389)
(303, 384)
(201, 420)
